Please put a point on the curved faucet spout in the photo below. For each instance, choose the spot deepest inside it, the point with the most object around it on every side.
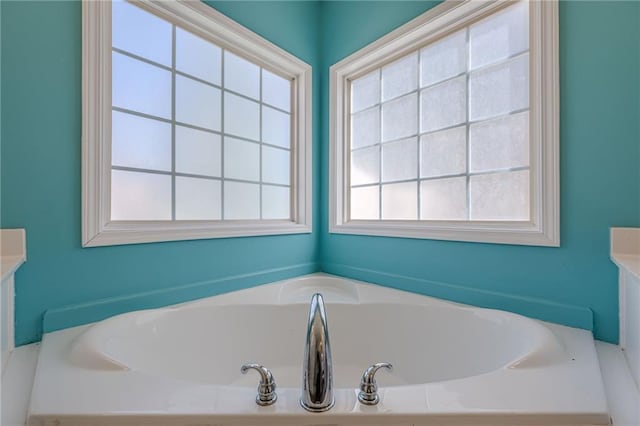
(317, 372)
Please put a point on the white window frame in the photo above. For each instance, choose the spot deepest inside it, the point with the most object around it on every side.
(544, 227)
(197, 17)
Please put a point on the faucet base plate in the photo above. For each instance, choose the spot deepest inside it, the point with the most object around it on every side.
(317, 409)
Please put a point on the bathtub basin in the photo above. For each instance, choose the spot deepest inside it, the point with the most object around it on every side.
(453, 364)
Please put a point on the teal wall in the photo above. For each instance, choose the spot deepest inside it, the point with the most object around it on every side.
(600, 178)
(40, 179)
(41, 118)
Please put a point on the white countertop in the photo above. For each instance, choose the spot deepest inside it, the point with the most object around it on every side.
(13, 251)
(629, 262)
(625, 249)
(9, 264)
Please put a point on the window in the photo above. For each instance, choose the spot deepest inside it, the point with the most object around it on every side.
(193, 127)
(447, 128)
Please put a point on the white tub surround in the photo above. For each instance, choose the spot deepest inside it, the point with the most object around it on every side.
(623, 395)
(17, 382)
(452, 364)
(625, 252)
(13, 253)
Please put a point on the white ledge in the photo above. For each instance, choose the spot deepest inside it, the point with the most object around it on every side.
(13, 251)
(625, 249)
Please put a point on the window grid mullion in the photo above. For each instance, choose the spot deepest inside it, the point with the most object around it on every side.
(222, 135)
(467, 124)
(379, 143)
(418, 153)
(482, 120)
(173, 122)
(441, 177)
(260, 147)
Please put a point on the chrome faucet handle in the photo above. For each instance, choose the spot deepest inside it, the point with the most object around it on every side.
(267, 387)
(368, 387)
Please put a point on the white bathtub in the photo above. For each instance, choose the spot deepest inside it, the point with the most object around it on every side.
(453, 365)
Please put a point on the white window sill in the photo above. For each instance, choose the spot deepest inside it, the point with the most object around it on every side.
(149, 232)
(521, 233)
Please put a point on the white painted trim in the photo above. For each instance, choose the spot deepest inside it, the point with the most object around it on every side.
(544, 228)
(623, 396)
(7, 319)
(630, 321)
(97, 229)
(625, 253)
(13, 253)
(17, 383)
(622, 303)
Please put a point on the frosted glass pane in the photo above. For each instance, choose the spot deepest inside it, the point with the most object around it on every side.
(197, 104)
(241, 159)
(140, 142)
(276, 127)
(197, 152)
(276, 90)
(365, 128)
(499, 90)
(365, 91)
(276, 203)
(140, 196)
(365, 203)
(400, 160)
(241, 117)
(365, 166)
(198, 199)
(198, 57)
(500, 196)
(443, 153)
(500, 36)
(499, 144)
(400, 77)
(443, 59)
(400, 118)
(400, 201)
(241, 75)
(276, 165)
(444, 105)
(443, 199)
(140, 32)
(241, 200)
(140, 87)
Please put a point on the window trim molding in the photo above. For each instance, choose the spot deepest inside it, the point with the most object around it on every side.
(97, 230)
(544, 227)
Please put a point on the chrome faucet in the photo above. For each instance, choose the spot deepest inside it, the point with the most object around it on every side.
(267, 387)
(368, 394)
(317, 371)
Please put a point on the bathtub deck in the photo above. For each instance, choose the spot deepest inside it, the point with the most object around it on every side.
(570, 393)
